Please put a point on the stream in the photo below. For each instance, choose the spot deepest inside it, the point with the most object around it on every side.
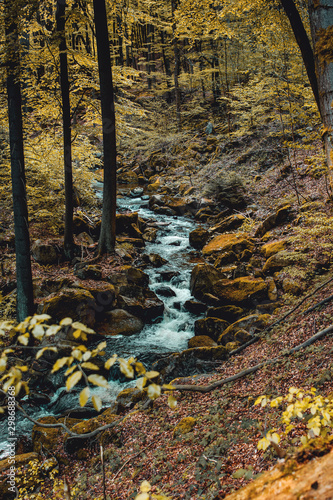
(166, 335)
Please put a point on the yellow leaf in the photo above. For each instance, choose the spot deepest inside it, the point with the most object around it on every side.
(80, 326)
(70, 370)
(275, 438)
(73, 380)
(151, 374)
(97, 402)
(59, 364)
(142, 496)
(98, 380)
(66, 322)
(110, 362)
(41, 351)
(23, 339)
(38, 332)
(141, 382)
(154, 391)
(145, 487)
(140, 369)
(126, 368)
(77, 333)
(90, 366)
(84, 396)
(263, 444)
(172, 402)
(101, 346)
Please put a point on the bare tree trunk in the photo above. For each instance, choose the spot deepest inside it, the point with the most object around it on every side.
(107, 238)
(176, 68)
(66, 122)
(25, 304)
(321, 22)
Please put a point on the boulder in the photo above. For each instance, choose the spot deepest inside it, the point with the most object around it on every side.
(140, 302)
(198, 238)
(135, 275)
(127, 398)
(150, 235)
(195, 307)
(228, 224)
(74, 303)
(128, 177)
(124, 223)
(168, 275)
(229, 191)
(81, 225)
(211, 327)
(291, 286)
(184, 426)
(44, 253)
(228, 313)
(236, 243)
(250, 323)
(104, 295)
(88, 272)
(241, 291)
(273, 247)
(240, 336)
(225, 258)
(121, 322)
(156, 260)
(284, 258)
(273, 220)
(217, 353)
(201, 341)
(203, 277)
(165, 291)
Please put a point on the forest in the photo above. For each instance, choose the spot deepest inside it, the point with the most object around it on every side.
(166, 213)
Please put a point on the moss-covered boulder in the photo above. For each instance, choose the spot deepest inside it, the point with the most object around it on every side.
(140, 302)
(201, 341)
(236, 243)
(89, 272)
(229, 223)
(104, 295)
(198, 238)
(228, 313)
(214, 353)
(224, 259)
(74, 303)
(282, 259)
(211, 327)
(245, 290)
(273, 220)
(249, 323)
(49, 439)
(240, 336)
(203, 277)
(129, 397)
(121, 322)
(292, 286)
(273, 247)
(44, 253)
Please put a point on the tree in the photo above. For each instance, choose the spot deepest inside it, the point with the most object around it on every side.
(25, 304)
(107, 238)
(66, 121)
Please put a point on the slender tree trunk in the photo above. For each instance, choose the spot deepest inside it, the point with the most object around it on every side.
(66, 121)
(25, 305)
(321, 22)
(303, 43)
(176, 68)
(108, 226)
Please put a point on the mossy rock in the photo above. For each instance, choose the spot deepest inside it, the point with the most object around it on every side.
(231, 346)
(203, 277)
(184, 426)
(129, 397)
(74, 303)
(293, 287)
(241, 336)
(225, 258)
(250, 323)
(229, 223)
(49, 438)
(206, 353)
(228, 313)
(240, 291)
(201, 341)
(104, 295)
(90, 272)
(121, 322)
(273, 220)
(273, 247)
(236, 243)
(282, 259)
(211, 327)
(198, 238)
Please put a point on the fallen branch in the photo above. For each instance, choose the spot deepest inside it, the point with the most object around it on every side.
(324, 301)
(131, 458)
(248, 371)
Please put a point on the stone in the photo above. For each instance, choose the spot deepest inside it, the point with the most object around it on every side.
(89, 272)
(241, 291)
(273, 247)
(203, 277)
(218, 353)
(156, 260)
(195, 307)
(273, 220)
(136, 276)
(121, 322)
(211, 327)
(272, 290)
(198, 238)
(230, 192)
(124, 223)
(150, 235)
(128, 177)
(228, 313)
(81, 225)
(240, 336)
(284, 258)
(250, 323)
(165, 291)
(229, 223)
(225, 258)
(168, 275)
(74, 303)
(231, 346)
(129, 397)
(201, 341)
(236, 243)
(145, 304)
(291, 286)
(44, 253)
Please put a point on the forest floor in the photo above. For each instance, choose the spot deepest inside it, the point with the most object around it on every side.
(219, 454)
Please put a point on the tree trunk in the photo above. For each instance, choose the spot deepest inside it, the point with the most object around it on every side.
(25, 305)
(177, 67)
(304, 45)
(321, 22)
(107, 238)
(66, 123)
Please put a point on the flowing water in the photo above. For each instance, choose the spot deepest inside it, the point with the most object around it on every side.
(169, 334)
